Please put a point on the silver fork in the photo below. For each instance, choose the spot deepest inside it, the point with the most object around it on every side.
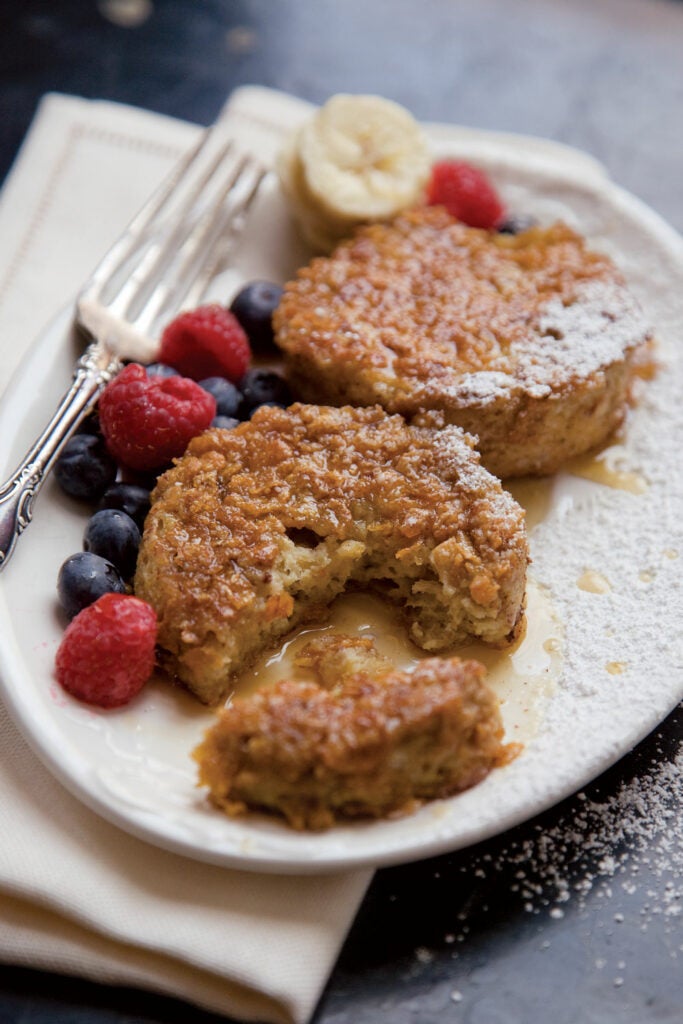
(164, 261)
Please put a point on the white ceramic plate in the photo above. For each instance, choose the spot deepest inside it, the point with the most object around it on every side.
(602, 667)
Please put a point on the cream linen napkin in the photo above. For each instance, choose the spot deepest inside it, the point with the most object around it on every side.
(76, 894)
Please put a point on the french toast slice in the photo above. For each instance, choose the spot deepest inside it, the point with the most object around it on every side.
(361, 741)
(257, 529)
(529, 342)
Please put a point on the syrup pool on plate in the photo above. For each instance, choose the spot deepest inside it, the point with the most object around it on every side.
(606, 467)
(522, 675)
(151, 739)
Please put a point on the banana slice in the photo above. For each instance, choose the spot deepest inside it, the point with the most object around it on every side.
(320, 230)
(363, 157)
(358, 159)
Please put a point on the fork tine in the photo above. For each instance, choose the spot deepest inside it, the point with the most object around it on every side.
(204, 248)
(121, 251)
(217, 254)
(127, 301)
(173, 248)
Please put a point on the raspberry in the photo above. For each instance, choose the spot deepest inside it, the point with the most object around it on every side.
(107, 652)
(147, 421)
(466, 193)
(206, 342)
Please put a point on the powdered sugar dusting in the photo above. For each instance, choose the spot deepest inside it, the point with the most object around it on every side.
(623, 650)
(459, 462)
(601, 847)
(634, 541)
(484, 387)
(597, 329)
(572, 342)
(620, 856)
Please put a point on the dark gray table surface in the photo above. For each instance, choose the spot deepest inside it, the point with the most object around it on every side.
(574, 917)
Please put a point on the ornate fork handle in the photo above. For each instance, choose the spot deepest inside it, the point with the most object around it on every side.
(93, 370)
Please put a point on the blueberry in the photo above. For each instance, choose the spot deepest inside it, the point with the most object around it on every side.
(514, 224)
(90, 425)
(227, 396)
(146, 479)
(262, 387)
(114, 536)
(85, 468)
(83, 578)
(160, 370)
(254, 306)
(130, 498)
(224, 422)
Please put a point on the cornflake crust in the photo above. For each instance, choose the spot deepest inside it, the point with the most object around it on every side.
(257, 529)
(530, 342)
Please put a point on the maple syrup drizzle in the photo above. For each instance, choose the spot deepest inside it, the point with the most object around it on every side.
(602, 468)
(593, 582)
(535, 495)
(521, 675)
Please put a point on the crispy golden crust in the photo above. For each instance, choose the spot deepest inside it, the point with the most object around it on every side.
(526, 341)
(258, 529)
(376, 742)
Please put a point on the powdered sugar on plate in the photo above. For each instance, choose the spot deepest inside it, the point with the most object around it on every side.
(594, 331)
(623, 653)
(602, 847)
